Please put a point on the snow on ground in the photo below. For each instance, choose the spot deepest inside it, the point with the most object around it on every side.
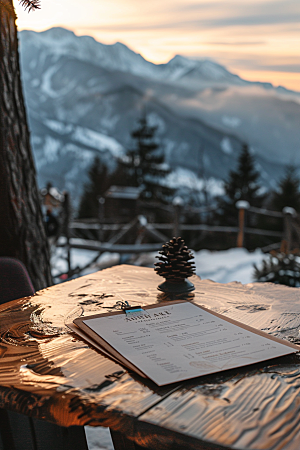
(235, 264)
(81, 258)
(184, 178)
(98, 140)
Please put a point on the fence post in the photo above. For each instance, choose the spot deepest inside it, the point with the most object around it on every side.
(242, 206)
(101, 202)
(289, 214)
(177, 204)
(67, 211)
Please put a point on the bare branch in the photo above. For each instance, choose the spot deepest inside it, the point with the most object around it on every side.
(30, 4)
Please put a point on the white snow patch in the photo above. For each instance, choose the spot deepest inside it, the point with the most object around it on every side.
(215, 187)
(51, 149)
(80, 258)
(184, 178)
(225, 266)
(232, 122)
(235, 264)
(226, 146)
(181, 178)
(59, 127)
(46, 85)
(85, 157)
(56, 194)
(154, 120)
(98, 140)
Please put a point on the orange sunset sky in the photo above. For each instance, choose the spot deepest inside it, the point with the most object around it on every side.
(258, 40)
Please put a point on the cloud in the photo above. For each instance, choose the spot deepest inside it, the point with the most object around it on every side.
(246, 43)
(200, 6)
(242, 13)
(244, 8)
(202, 24)
(291, 68)
(279, 7)
(257, 19)
(127, 26)
(264, 63)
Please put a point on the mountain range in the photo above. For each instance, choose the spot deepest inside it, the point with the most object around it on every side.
(84, 98)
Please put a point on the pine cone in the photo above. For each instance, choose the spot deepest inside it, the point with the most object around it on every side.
(174, 263)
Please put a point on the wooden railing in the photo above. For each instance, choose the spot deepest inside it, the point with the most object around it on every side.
(162, 232)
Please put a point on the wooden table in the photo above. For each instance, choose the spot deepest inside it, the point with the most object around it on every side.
(48, 373)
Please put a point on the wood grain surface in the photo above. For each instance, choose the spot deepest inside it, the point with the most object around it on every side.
(49, 373)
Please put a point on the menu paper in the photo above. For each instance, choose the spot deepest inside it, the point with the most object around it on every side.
(180, 341)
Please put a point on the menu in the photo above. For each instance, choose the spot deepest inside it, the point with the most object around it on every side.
(181, 340)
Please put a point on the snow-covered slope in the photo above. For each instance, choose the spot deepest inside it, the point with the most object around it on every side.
(226, 266)
(84, 97)
(186, 70)
(59, 41)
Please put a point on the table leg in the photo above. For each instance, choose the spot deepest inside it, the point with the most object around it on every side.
(122, 443)
(19, 432)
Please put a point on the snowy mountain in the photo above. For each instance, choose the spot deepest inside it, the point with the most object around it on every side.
(84, 97)
(59, 42)
(118, 56)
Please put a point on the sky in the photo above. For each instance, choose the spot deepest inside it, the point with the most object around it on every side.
(258, 40)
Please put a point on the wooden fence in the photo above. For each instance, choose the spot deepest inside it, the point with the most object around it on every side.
(142, 230)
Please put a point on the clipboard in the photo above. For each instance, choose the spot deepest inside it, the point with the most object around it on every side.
(80, 326)
(93, 341)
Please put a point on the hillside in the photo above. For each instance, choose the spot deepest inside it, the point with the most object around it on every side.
(84, 97)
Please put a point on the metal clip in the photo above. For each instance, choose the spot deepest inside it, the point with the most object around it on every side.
(133, 310)
(129, 310)
(124, 306)
(119, 305)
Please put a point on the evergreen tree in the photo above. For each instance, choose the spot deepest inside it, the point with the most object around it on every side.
(145, 164)
(242, 184)
(100, 180)
(96, 186)
(30, 4)
(280, 268)
(288, 193)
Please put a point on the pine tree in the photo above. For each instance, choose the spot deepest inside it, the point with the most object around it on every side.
(146, 165)
(30, 4)
(99, 181)
(280, 268)
(242, 184)
(288, 192)
(96, 186)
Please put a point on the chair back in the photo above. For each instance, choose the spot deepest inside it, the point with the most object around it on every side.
(14, 280)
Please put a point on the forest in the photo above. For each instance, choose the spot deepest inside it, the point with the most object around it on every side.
(144, 168)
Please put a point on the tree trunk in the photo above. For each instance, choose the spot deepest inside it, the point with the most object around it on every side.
(22, 233)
